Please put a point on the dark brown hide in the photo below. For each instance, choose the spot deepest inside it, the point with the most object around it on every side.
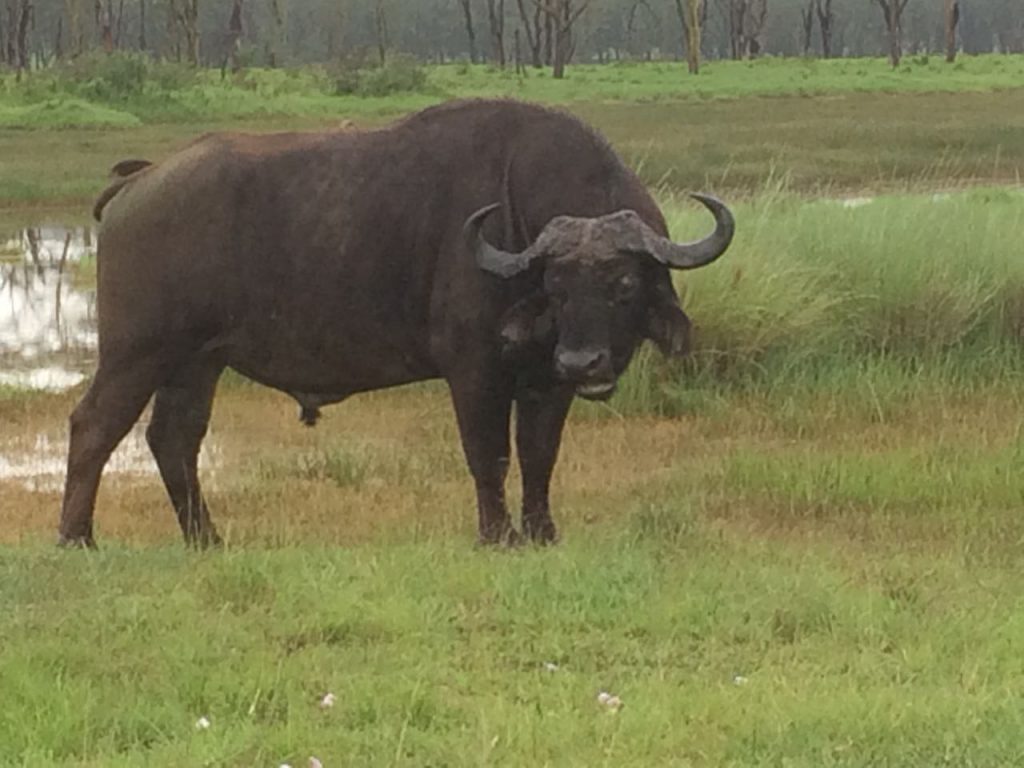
(327, 264)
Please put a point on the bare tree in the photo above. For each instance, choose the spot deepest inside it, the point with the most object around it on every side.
(104, 25)
(562, 15)
(233, 42)
(183, 21)
(807, 26)
(24, 14)
(380, 25)
(745, 23)
(893, 12)
(467, 14)
(142, 25)
(76, 40)
(496, 18)
(826, 22)
(693, 14)
(952, 19)
(533, 27)
(631, 20)
(277, 12)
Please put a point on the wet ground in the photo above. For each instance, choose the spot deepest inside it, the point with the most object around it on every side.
(47, 306)
(48, 343)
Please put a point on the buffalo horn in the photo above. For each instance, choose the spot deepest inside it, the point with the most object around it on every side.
(699, 252)
(489, 258)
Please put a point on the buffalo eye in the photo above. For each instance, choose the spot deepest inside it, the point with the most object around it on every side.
(625, 289)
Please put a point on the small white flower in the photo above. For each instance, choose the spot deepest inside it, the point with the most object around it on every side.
(603, 697)
(284, 765)
(614, 703)
(739, 680)
(327, 701)
(202, 724)
(314, 763)
(550, 666)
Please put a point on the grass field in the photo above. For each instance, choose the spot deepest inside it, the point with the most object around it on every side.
(832, 146)
(826, 126)
(802, 548)
(799, 548)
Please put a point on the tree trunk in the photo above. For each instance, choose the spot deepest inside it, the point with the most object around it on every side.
(119, 25)
(697, 13)
(142, 25)
(6, 56)
(104, 28)
(892, 10)
(561, 16)
(496, 18)
(381, 27)
(549, 40)
(467, 13)
(520, 66)
(191, 24)
(24, 18)
(823, 9)
(560, 52)
(807, 24)
(533, 28)
(277, 50)
(952, 19)
(234, 36)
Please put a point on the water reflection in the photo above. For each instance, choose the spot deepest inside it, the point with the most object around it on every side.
(47, 307)
(37, 462)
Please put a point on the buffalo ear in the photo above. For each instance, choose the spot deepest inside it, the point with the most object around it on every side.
(669, 328)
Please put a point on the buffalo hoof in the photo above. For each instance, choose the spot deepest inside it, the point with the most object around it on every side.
(541, 532)
(508, 537)
(203, 543)
(76, 542)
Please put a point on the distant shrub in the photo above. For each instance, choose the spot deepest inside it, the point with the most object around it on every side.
(171, 75)
(399, 75)
(108, 76)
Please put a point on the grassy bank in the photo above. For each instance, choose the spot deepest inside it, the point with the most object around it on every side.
(92, 91)
(866, 141)
(844, 596)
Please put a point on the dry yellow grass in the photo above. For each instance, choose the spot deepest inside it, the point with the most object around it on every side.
(388, 466)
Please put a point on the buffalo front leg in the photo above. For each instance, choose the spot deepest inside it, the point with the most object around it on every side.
(181, 414)
(540, 417)
(483, 411)
(112, 404)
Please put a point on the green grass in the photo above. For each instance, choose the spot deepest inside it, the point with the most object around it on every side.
(725, 651)
(813, 562)
(65, 113)
(801, 547)
(867, 304)
(822, 146)
(166, 92)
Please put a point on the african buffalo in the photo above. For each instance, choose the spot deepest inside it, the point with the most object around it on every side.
(501, 246)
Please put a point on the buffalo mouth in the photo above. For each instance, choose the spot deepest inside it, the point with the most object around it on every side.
(596, 390)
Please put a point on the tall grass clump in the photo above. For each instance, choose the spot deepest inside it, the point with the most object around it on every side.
(832, 295)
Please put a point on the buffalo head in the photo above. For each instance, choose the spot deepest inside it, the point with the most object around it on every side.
(605, 286)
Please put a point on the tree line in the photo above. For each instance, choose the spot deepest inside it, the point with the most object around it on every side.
(520, 33)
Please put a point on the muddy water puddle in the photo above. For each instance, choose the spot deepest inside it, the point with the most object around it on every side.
(37, 461)
(47, 306)
(48, 341)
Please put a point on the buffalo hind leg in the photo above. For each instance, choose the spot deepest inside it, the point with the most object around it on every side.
(540, 418)
(483, 410)
(101, 419)
(181, 413)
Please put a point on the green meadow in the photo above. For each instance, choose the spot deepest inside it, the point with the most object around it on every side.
(799, 547)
